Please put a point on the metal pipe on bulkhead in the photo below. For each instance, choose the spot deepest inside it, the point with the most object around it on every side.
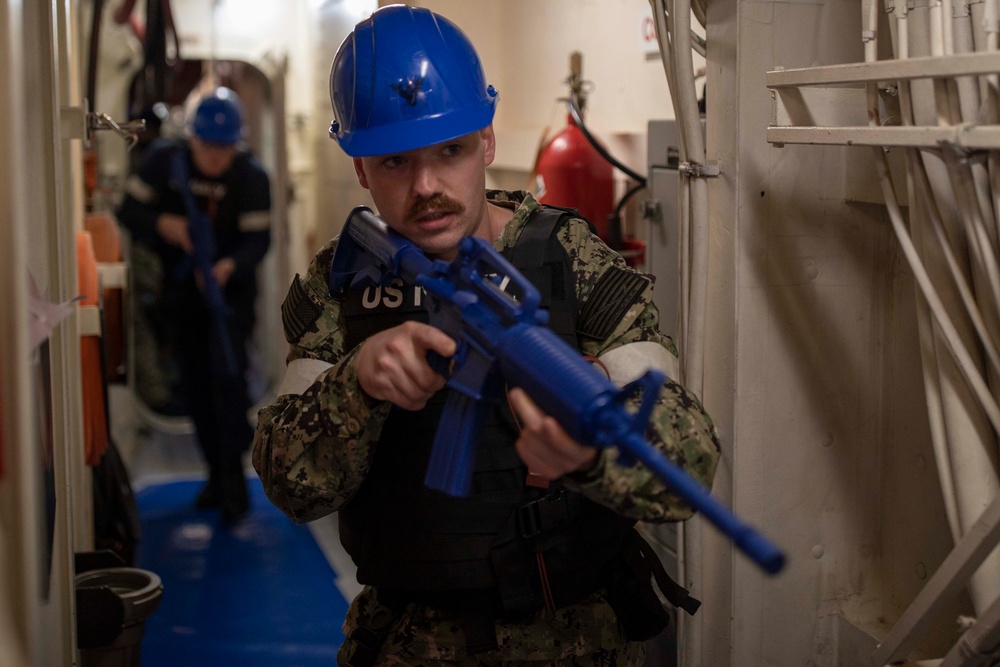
(967, 471)
(673, 31)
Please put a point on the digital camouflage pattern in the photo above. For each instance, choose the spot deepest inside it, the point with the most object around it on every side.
(312, 452)
(582, 634)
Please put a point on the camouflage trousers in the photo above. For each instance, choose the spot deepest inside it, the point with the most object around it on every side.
(586, 634)
(631, 655)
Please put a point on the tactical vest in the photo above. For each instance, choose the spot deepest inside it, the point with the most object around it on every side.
(429, 547)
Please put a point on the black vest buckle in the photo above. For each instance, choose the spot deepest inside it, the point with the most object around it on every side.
(544, 514)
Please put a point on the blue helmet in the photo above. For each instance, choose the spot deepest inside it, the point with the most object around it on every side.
(406, 78)
(219, 117)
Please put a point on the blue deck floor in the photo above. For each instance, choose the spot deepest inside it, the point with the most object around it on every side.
(260, 593)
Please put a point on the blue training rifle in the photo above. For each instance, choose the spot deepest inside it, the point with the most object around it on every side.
(203, 257)
(500, 339)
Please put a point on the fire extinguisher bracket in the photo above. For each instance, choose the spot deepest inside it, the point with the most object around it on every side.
(709, 170)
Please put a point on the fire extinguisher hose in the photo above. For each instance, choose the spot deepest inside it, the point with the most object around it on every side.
(574, 111)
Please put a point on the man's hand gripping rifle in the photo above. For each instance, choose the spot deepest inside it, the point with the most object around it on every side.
(503, 340)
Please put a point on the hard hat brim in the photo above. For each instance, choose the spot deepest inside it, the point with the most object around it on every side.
(417, 133)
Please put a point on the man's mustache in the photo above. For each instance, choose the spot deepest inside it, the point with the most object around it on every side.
(439, 203)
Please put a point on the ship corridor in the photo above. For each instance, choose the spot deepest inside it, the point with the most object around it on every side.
(817, 193)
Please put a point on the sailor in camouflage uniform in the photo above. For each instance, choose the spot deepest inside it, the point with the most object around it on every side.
(541, 564)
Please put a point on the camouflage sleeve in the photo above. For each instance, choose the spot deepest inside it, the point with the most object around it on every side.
(312, 449)
(680, 427)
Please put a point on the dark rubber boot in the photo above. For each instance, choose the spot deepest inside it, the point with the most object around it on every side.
(235, 502)
(210, 496)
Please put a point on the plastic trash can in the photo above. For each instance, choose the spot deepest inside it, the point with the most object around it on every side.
(112, 605)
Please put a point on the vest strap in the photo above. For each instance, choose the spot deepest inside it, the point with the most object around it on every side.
(546, 513)
(479, 623)
(532, 244)
(631, 594)
(675, 594)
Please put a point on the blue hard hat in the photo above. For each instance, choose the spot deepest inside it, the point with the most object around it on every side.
(406, 78)
(219, 117)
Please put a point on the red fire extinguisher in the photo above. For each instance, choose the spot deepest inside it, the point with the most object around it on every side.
(569, 171)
